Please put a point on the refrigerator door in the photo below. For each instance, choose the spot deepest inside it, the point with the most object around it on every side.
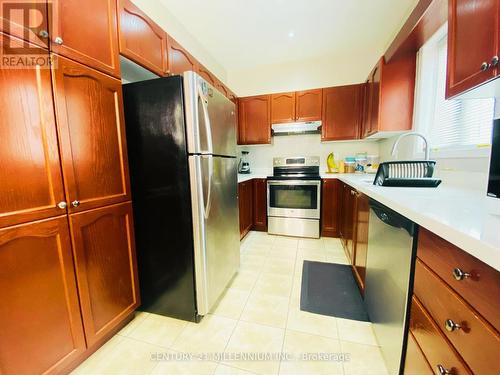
(215, 226)
(210, 118)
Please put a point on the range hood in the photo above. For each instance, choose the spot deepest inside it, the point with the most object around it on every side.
(310, 127)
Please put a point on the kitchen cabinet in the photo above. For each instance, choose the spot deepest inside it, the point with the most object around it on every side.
(254, 120)
(13, 22)
(361, 222)
(89, 113)
(31, 182)
(391, 89)
(245, 202)
(347, 225)
(308, 104)
(223, 89)
(260, 204)
(179, 59)
(41, 328)
(283, 107)
(473, 44)
(415, 362)
(330, 207)
(86, 31)
(141, 39)
(342, 107)
(206, 75)
(106, 268)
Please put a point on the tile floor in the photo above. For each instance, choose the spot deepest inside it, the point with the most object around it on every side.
(259, 313)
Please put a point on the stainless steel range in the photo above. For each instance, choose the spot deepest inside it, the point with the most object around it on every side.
(294, 197)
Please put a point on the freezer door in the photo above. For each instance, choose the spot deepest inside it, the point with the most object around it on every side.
(215, 224)
(210, 118)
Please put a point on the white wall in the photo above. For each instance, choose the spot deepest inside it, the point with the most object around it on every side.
(166, 20)
(261, 156)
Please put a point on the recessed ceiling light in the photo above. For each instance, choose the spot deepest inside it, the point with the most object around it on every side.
(291, 34)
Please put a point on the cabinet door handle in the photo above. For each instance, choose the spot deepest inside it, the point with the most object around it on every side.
(484, 66)
(459, 275)
(62, 205)
(444, 371)
(451, 326)
(75, 203)
(43, 34)
(494, 61)
(58, 40)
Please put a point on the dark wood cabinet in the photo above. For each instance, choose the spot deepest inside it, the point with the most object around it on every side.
(141, 39)
(104, 251)
(254, 120)
(415, 361)
(473, 44)
(41, 328)
(330, 207)
(260, 204)
(179, 59)
(283, 107)
(89, 113)
(86, 31)
(308, 104)
(31, 183)
(245, 201)
(361, 223)
(341, 113)
(13, 21)
(347, 221)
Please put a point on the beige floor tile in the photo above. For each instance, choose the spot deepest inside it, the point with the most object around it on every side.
(158, 330)
(254, 338)
(125, 357)
(211, 335)
(184, 367)
(332, 243)
(283, 253)
(286, 242)
(341, 259)
(308, 243)
(266, 309)
(232, 303)
(139, 317)
(364, 359)
(280, 266)
(315, 324)
(244, 280)
(356, 331)
(276, 285)
(312, 254)
(227, 370)
(303, 346)
(260, 240)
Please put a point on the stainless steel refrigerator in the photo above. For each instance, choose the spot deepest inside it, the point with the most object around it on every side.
(181, 135)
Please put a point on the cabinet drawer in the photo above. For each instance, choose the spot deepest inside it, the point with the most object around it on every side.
(445, 305)
(415, 362)
(434, 345)
(481, 290)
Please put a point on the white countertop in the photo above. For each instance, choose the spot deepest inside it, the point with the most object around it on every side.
(459, 216)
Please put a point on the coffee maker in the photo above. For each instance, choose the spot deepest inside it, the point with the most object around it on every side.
(244, 165)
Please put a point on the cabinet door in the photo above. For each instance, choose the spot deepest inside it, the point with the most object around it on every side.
(282, 107)
(347, 228)
(415, 362)
(13, 20)
(374, 101)
(207, 76)
(254, 123)
(30, 172)
(365, 121)
(41, 328)
(87, 32)
(330, 207)
(142, 40)
(105, 260)
(245, 196)
(179, 59)
(472, 41)
(89, 113)
(341, 113)
(260, 204)
(308, 105)
(361, 218)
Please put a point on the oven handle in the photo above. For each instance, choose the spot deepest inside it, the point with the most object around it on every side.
(295, 182)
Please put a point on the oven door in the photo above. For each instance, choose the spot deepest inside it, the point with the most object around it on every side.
(294, 198)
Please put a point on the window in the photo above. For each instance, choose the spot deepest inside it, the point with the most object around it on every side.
(450, 125)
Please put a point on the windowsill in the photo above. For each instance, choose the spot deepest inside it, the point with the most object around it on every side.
(472, 152)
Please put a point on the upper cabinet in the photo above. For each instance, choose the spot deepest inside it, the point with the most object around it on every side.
(473, 44)
(308, 105)
(142, 40)
(207, 76)
(283, 107)
(391, 90)
(86, 31)
(91, 129)
(341, 112)
(180, 60)
(254, 125)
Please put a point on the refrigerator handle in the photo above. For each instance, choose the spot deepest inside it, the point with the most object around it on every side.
(209, 188)
(208, 127)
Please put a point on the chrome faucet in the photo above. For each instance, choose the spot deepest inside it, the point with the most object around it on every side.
(426, 148)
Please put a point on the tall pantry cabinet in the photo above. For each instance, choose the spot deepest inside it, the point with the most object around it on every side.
(68, 275)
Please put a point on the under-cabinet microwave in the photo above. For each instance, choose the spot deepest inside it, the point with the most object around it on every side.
(494, 174)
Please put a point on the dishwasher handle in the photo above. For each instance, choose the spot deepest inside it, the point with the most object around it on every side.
(392, 218)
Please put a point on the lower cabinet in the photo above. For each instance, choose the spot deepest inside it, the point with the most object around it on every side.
(41, 329)
(260, 204)
(347, 223)
(330, 206)
(252, 196)
(245, 201)
(106, 267)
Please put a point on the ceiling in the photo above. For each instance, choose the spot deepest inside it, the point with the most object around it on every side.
(243, 34)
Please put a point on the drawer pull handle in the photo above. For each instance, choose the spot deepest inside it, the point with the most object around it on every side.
(444, 371)
(451, 326)
(459, 275)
